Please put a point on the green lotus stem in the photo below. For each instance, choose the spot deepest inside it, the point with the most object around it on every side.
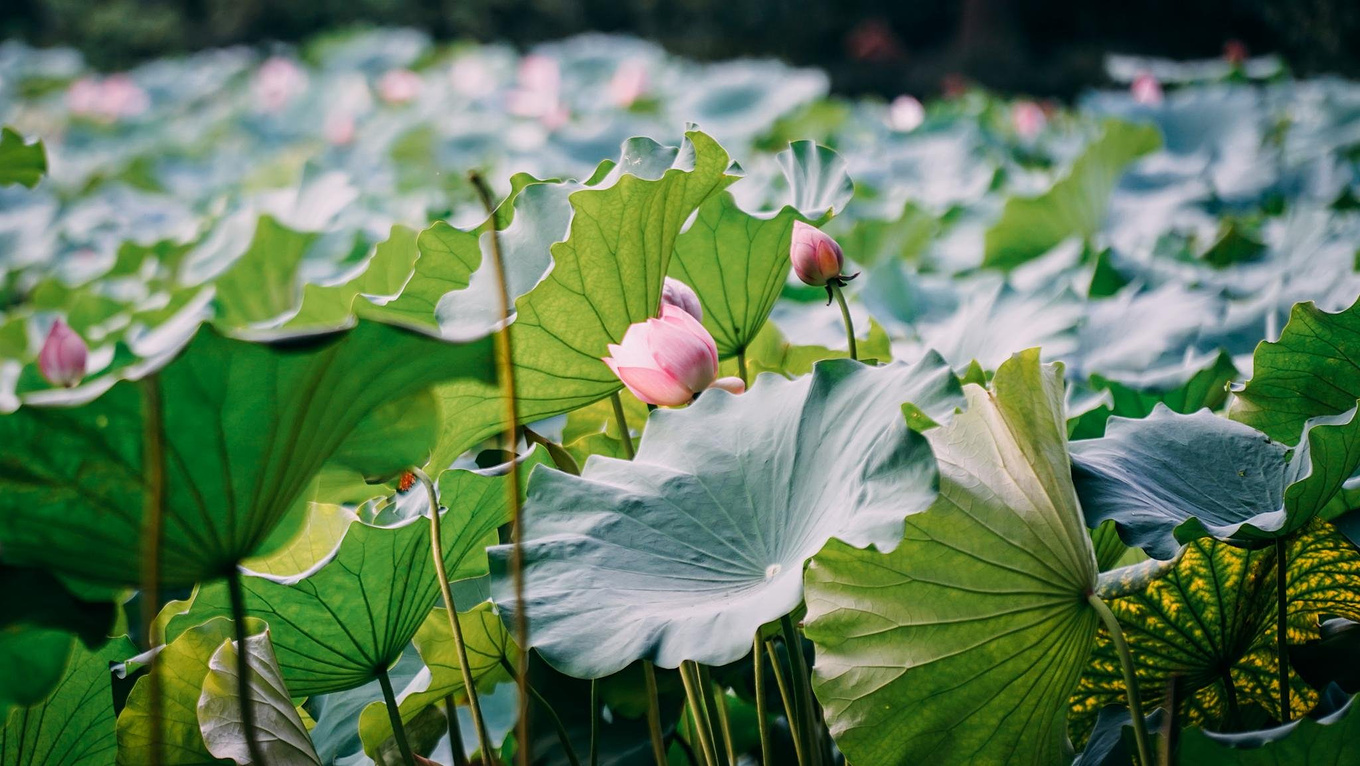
(455, 733)
(1121, 646)
(711, 709)
(560, 457)
(623, 426)
(394, 714)
(594, 722)
(835, 289)
(1230, 694)
(153, 521)
(689, 674)
(1282, 624)
(725, 723)
(563, 737)
(757, 658)
(741, 367)
(505, 375)
(802, 688)
(238, 619)
(437, 551)
(654, 714)
(790, 715)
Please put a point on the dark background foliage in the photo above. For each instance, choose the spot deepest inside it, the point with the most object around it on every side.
(1051, 47)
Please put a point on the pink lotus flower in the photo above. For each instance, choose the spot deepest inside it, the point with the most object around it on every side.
(471, 77)
(905, 114)
(539, 93)
(1028, 119)
(399, 86)
(682, 296)
(339, 128)
(628, 84)
(668, 361)
(109, 100)
(63, 356)
(278, 81)
(817, 258)
(1146, 89)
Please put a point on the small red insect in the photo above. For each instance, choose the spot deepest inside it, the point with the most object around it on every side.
(406, 481)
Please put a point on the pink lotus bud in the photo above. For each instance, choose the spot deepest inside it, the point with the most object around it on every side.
(278, 82)
(1146, 89)
(123, 97)
(905, 114)
(682, 296)
(63, 355)
(1235, 52)
(1028, 119)
(629, 83)
(539, 93)
(399, 86)
(665, 361)
(816, 257)
(339, 128)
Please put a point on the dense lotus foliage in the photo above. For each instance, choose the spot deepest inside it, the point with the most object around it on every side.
(329, 383)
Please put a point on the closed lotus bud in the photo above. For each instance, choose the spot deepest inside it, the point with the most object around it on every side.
(667, 361)
(1028, 119)
(682, 296)
(816, 257)
(1146, 89)
(63, 355)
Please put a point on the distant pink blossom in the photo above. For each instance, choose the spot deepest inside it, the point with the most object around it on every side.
(277, 82)
(339, 129)
(906, 114)
(399, 86)
(471, 77)
(629, 83)
(1028, 119)
(63, 356)
(111, 99)
(1146, 89)
(538, 95)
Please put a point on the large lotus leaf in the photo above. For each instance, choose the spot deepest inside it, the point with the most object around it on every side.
(1170, 478)
(962, 644)
(1312, 370)
(605, 275)
(487, 641)
(20, 162)
(335, 626)
(382, 276)
(737, 261)
(684, 552)
(1075, 206)
(281, 735)
(262, 284)
(1208, 620)
(32, 661)
(245, 425)
(1327, 741)
(74, 726)
(336, 731)
(1193, 386)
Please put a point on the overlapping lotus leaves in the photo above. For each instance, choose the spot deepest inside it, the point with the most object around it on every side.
(1208, 620)
(606, 274)
(1312, 370)
(684, 552)
(1169, 478)
(962, 644)
(245, 428)
(74, 725)
(1327, 741)
(21, 162)
(339, 624)
(738, 262)
(285, 741)
(487, 642)
(39, 621)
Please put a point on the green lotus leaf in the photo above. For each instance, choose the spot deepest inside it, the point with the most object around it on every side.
(1185, 390)
(1169, 478)
(33, 661)
(684, 552)
(1327, 741)
(20, 162)
(738, 262)
(281, 735)
(1075, 206)
(962, 644)
(262, 284)
(383, 275)
(486, 640)
(74, 725)
(246, 426)
(606, 274)
(1311, 370)
(339, 624)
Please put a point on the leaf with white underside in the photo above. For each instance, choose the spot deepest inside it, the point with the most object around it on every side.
(279, 730)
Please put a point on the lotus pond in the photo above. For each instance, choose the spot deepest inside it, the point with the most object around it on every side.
(385, 402)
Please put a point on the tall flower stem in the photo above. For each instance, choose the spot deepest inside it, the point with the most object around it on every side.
(437, 551)
(1121, 646)
(1282, 623)
(790, 710)
(563, 736)
(802, 691)
(835, 289)
(757, 658)
(153, 521)
(654, 714)
(393, 714)
(238, 619)
(623, 426)
(594, 722)
(703, 729)
(725, 724)
(505, 375)
(456, 733)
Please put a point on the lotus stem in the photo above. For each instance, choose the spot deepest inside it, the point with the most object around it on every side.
(594, 722)
(394, 714)
(703, 731)
(153, 521)
(725, 724)
(1230, 694)
(802, 688)
(654, 714)
(456, 733)
(757, 658)
(1121, 646)
(622, 420)
(790, 714)
(741, 367)
(505, 374)
(835, 289)
(437, 550)
(1282, 623)
(238, 619)
(563, 737)
(711, 710)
